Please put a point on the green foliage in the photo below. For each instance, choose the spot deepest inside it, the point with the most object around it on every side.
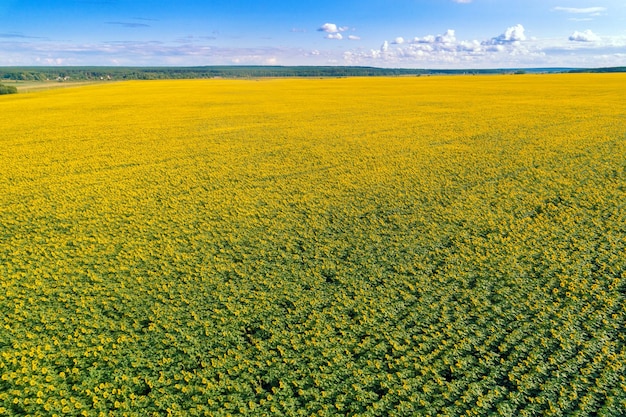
(7, 89)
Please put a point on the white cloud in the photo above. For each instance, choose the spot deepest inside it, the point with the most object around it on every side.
(329, 28)
(425, 39)
(462, 1)
(510, 35)
(336, 36)
(332, 28)
(585, 36)
(448, 37)
(580, 10)
(333, 31)
(513, 48)
(446, 51)
(354, 38)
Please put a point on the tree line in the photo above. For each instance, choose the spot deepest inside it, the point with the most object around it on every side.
(156, 73)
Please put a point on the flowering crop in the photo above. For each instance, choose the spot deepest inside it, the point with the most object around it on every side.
(361, 246)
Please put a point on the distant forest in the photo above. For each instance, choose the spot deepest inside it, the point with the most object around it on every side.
(157, 73)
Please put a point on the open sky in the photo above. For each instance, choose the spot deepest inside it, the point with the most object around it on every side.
(382, 33)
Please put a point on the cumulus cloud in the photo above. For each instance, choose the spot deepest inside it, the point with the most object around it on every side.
(445, 50)
(448, 37)
(333, 31)
(332, 28)
(512, 34)
(513, 48)
(354, 38)
(585, 36)
(329, 28)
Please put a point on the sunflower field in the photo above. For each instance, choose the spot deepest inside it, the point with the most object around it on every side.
(429, 246)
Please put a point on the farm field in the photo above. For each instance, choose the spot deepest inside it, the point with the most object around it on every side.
(37, 86)
(431, 246)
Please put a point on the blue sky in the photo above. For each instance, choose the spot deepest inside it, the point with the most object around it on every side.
(391, 33)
